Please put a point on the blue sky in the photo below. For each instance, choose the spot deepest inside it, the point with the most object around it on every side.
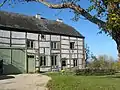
(99, 43)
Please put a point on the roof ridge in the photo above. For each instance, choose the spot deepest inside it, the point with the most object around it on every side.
(33, 24)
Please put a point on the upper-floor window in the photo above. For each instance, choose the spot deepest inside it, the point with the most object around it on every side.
(72, 45)
(42, 36)
(55, 45)
(42, 61)
(30, 43)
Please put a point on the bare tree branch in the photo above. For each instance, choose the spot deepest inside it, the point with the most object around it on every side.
(1, 4)
(76, 8)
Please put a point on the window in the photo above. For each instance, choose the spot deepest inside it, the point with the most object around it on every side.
(72, 45)
(63, 63)
(42, 61)
(30, 43)
(75, 62)
(54, 60)
(55, 45)
(42, 36)
(30, 56)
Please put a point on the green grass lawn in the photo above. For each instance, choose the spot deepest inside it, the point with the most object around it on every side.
(72, 82)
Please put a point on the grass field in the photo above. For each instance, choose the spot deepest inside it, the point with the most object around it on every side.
(72, 82)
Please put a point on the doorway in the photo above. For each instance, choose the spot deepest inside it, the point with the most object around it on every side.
(31, 63)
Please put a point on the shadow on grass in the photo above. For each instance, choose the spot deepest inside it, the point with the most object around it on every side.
(2, 77)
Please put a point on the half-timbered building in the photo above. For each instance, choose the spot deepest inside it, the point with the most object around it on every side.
(33, 43)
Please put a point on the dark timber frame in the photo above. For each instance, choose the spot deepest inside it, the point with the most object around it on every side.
(38, 31)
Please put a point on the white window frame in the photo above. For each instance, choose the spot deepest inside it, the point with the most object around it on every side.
(54, 45)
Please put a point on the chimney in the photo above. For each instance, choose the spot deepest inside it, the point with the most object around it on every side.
(59, 20)
(38, 16)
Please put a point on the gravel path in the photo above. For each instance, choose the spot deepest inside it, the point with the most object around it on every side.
(24, 82)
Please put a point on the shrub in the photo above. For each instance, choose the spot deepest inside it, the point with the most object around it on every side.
(95, 72)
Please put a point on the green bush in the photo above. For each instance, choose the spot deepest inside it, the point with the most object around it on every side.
(95, 72)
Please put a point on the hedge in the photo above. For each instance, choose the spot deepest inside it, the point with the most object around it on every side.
(95, 72)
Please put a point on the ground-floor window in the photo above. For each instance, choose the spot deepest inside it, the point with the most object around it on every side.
(30, 56)
(75, 62)
(54, 60)
(42, 60)
(63, 62)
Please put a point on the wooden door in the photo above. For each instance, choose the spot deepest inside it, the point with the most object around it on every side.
(31, 64)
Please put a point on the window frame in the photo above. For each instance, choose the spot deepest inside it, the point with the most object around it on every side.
(75, 62)
(30, 56)
(53, 60)
(55, 45)
(30, 43)
(72, 45)
(42, 36)
(42, 60)
(64, 63)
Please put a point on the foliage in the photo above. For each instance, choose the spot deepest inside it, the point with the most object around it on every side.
(106, 10)
(62, 71)
(106, 17)
(87, 52)
(98, 72)
(116, 66)
(101, 62)
(109, 10)
(71, 82)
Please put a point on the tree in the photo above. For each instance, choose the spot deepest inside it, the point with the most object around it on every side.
(102, 62)
(107, 15)
(87, 54)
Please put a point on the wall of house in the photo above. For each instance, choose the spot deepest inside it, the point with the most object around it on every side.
(63, 52)
(15, 50)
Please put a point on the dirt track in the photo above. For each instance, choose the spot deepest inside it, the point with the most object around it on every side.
(24, 82)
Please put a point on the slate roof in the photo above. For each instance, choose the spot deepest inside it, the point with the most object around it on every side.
(18, 22)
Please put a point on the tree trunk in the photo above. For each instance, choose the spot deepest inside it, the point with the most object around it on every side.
(116, 37)
(118, 48)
